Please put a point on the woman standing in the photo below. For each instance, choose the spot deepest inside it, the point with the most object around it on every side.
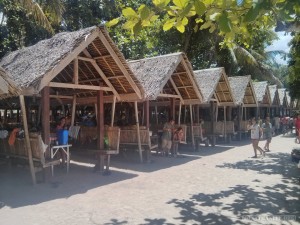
(267, 129)
(255, 136)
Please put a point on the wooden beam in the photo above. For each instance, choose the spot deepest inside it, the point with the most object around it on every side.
(85, 59)
(61, 96)
(119, 63)
(78, 86)
(102, 57)
(191, 78)
(46, 115)
(103, 76)
(168, 96)
(66, 61)
(176, 89)
(27, 140)
(75, 71)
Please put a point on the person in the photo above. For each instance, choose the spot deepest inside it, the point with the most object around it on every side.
(255, 136)
(177, 138)
(277, 124)
(61, 126)
(297, 127)
(167, 137)
(267, 130)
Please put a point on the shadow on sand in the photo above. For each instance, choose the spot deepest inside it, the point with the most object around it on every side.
(16, 189)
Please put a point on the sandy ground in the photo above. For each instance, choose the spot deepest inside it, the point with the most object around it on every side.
(217, 185)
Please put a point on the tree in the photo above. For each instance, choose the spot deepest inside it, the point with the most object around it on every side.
(294, 66)
(230, 18)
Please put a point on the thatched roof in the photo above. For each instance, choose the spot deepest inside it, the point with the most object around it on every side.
(214, 84)
(274, 95)
(7, 86)
(168, 75)
(242, 90)
(282, 97)
(54, 60)
(262, 92)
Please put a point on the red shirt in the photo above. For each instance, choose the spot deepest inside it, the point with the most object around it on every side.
(297, 123)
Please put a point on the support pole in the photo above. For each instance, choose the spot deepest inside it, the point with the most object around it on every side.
(172, 112)
(156, 114)
(100, 120)
(192, 129)
(213, 118)
(73, 110)
(46, 115)
(138, 130)
(146, 114)
(113, 111)
(179, 114)
(225, 124)
(27, 140)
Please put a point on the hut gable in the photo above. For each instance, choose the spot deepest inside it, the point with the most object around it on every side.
(87, 57)
(166, 75)
(242, 90)
(282, 97)
(262, 92)
(274, 95)
(288, 100)
(213, 83)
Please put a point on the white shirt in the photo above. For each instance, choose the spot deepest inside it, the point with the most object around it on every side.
(255, 131)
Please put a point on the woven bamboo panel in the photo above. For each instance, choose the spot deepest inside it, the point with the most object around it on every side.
(130, 137)
(113, 135)
(230, 127)
(243, 125)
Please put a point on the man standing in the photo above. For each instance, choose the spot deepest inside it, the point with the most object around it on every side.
(167, 137)
(297, 127)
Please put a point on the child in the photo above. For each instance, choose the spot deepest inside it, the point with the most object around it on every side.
(177, 138)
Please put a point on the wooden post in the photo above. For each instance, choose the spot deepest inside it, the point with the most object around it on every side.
(213, 118)
(100, 120)
(113, 111)
(156, 114)
(225, 130)
(179, 114)
(198, 112)
(46, 115)
(138, 130)
(27, 140)
(146, 114)
(192, 130)
(73, 110)
(172, 112)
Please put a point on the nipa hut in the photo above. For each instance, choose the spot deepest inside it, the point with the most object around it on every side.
(214, 86)
(282, 101)
(167, 79)
(263, 97)
(244, 96)
(79, 67)
(274, 100)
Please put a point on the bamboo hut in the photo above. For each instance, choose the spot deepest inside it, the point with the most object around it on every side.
(244, 96)
(81, 67)
(289, 103)
(282, 101)
(263, 97)
(214, 86)
(166, 80)
(274, 100)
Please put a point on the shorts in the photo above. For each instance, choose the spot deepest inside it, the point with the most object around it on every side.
(166, 144)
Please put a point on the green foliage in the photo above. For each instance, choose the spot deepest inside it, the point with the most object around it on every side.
(294, 66)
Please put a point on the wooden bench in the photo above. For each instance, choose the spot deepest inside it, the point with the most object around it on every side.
(39, 156)
(149, 142)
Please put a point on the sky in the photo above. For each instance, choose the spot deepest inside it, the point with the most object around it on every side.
(280, 44)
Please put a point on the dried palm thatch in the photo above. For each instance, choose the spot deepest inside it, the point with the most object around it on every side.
(282, 97)
(53, 60)
(262, 92)
(7, 86)
(167, 74)
(274, 95)
(242, 90)
(213, 83)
